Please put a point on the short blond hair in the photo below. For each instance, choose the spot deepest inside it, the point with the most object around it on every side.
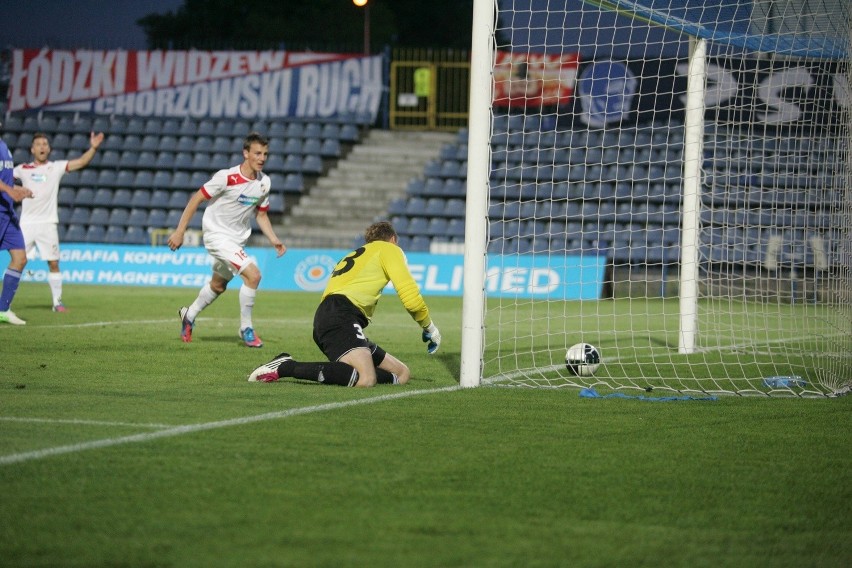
(381, 231)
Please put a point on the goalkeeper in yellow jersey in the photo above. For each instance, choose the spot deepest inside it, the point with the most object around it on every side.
(348, 303)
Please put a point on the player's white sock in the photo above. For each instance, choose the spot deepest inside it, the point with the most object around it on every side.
(206, 296)
(54, 280)
(246, 306)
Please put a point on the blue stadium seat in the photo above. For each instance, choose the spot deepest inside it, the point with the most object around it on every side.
(204, 144)
(223, 144)
(455, 207)
(137, 236)
(183, 161)
(293, 183)
(415, 206)
(121, 197)
(150, 143)
(85, 196)
(432, 187)
(160, 197)
(200, 161)
(312, 130)
(146, 160)
(173, 217)
(275, 164)
(437, 227)
(75, 233)
(276, 129)
(118, 216)
(195, 222)
(157, 218)
(114, 234)
(291, 146)
(312, 164)
(455, 188)
(181, 180)
(47, 123)
(124, 178)
(165, 161)
(13, 123)
(455, 227)
(64, 214)
(206, 128)
(415, 186)
(398, 207)
(312, 146)
(330, 131)
(57, 142)
(162, 178)
(106, 178)
(79, 215)
(293, 163)
(21, 156)
(419, 243)
(108, 159)
(103, 197)
(141, 198)
(143, 179)
(138, 217)
(295, 130)
(198, 179)
(223, 127)
(96, 234)
(177, 200)
(135, 126)
(435, 207)
(66, 196)
(418, 226)
(128, 159)
(349, 133)
(170, 127)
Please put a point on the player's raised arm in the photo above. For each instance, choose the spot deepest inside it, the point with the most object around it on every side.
(95, 141)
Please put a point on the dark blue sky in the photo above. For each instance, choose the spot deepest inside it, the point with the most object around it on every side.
(96, 24)
(101, 24)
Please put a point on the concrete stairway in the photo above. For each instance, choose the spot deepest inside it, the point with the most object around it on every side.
(335, 211)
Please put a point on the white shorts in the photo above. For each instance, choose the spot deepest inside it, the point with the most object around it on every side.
(231, 258)
(45, 236)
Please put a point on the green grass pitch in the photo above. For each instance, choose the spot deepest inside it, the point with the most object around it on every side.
(122, 446)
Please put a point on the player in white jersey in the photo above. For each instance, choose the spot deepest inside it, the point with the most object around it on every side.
(39, 215)
(235, 195)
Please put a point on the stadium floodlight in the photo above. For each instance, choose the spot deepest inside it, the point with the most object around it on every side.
(363, 4)
(689, 158)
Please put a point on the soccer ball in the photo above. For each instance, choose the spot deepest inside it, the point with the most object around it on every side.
(583, 359)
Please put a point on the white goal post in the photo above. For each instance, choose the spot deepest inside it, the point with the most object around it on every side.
(668, 180)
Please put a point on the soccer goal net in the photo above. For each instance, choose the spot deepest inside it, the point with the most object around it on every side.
(667, 180)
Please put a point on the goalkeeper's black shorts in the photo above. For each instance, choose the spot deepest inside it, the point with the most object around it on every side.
(339, 328)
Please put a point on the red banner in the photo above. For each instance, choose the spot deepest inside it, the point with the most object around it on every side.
(534, 79)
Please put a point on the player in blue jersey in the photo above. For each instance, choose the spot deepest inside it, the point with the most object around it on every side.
(11, 237)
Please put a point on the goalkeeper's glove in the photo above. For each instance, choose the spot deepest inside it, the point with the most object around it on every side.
(432, 338)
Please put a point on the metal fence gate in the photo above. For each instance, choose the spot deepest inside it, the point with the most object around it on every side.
(429, 89)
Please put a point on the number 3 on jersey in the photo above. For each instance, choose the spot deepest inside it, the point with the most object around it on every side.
(348, 262)
(359, 332)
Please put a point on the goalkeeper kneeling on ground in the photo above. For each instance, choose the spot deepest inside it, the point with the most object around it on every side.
(347, 307)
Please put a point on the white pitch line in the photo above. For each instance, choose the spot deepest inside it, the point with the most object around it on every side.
(82, 422)
(192, 428)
